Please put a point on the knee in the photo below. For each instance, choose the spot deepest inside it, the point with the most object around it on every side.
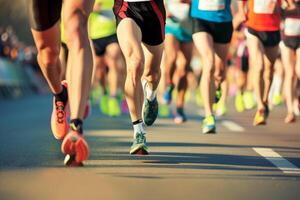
(170, 57)
(208, 66)
(76, 29)
(48, 56)
(135, 66)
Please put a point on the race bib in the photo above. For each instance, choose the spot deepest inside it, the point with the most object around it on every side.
(180, 11)
(264, 6)
(292, 27)
(211, 5)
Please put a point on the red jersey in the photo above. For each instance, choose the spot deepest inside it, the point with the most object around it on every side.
(264, 15)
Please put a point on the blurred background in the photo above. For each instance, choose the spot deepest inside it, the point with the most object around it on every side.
(19, 71)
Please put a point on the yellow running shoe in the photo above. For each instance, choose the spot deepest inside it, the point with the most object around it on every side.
(248, 100)
(259, 118)
(164, 110)
(103, 104)
(114, 109)
(239, 102)
(221, 109)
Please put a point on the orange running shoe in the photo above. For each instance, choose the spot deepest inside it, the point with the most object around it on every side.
(75, 148)
(59, 125)
(290, 118)
(260, 117)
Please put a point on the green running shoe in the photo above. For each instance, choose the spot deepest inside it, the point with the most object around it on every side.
(164, 110)
(103, 104)
(114, 109)
(209, 125)
(221, 109)
(139, 145)
(239, 102)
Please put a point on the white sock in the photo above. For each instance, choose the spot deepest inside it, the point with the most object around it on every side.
(138, 128)
(277, 82)
(150, 94)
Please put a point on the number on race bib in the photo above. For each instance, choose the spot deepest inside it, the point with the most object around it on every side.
(211, 5)
(264, 6)
(292, 27)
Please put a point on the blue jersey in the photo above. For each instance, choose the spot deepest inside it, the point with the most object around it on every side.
(212, 10)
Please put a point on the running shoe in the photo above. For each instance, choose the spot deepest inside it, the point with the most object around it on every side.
(218, 95)
(248, 100)
(75, 148)
(209, 125)
(164, 110)
(150, 109)
(139, 145)
(104, 104)
(239, 102)
(221, 109)
(114, 109)
(260, 117)
(59, 124)
(277, 99)
(198, 97)
(167, 96)
(290, 118)
(180, 116)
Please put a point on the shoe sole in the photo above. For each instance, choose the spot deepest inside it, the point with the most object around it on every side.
(140, 150)
(211, 131)
(71, 162)
(70, 148)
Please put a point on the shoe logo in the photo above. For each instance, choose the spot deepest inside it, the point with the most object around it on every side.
(60, 113)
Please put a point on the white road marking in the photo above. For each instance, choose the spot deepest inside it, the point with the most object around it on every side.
(277, 160)
(232, 126)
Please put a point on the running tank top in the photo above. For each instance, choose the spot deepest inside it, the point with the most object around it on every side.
(292, 23)
(212, 10)
(102, 23)
(264, 15)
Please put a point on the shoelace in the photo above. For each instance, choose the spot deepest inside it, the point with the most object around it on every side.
(60, 113)
(140, 138)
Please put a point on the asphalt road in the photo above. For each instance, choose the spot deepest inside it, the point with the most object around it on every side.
(240, 162)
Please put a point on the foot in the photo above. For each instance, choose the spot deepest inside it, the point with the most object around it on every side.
(103, 104)
(248, 100)
(221, 109)
(114, 109)
(139, 145)
(150, 108)
(290, 118)
(180, 116)
(75, 148)
(239, 103)
(260, 117)
(209, 125)
(164, 110)
(59, 125)
(167, 96)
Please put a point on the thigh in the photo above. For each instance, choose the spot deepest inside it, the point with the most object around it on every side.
(130, 43)
(270, 55)
(204, 44)
(256, 51)
(171, 46)
(81, 7)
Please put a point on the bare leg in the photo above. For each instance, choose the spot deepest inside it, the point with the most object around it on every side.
(80, 62)
(131, 47)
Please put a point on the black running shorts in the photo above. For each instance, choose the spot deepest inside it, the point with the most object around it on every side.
(292, 42)
(150, 16)
(221, 32)
(267, 38)
(43, 14)
(100, 44)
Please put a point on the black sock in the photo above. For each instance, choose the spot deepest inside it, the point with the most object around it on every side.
(62, 96)
(76, 125)
(137, 122)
